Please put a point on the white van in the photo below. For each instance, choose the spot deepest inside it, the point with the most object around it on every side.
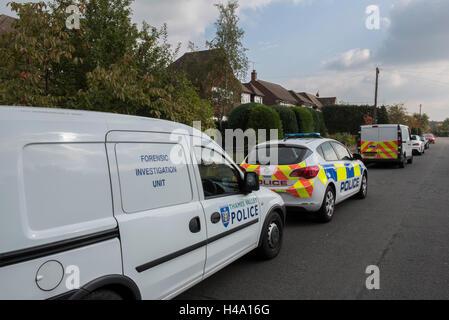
(104, 206)
(386, 143)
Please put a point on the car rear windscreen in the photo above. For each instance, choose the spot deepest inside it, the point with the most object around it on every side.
(277, 155)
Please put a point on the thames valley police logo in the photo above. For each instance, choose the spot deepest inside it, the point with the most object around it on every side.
(225, 215)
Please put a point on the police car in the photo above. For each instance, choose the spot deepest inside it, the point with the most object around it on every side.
(309, 172)
(104, 206)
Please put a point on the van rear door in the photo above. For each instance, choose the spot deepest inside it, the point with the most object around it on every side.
(369, 142)
(388, 142)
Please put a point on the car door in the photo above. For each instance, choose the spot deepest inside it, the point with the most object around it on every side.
(349, 180)
(232, 218)
(156, 204)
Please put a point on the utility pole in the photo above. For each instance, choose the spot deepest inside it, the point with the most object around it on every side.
(375, 96)
(420, 109)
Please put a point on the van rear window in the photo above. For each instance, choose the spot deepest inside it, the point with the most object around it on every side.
(277, 155)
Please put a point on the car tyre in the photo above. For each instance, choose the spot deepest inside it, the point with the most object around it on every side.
(326, 212)
(363, 192)
(271, 237)
(103, 294)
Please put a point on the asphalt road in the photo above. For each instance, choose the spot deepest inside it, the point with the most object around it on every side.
(402, 227)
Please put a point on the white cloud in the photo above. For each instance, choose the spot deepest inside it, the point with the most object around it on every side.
(350, 59)
(187, 20)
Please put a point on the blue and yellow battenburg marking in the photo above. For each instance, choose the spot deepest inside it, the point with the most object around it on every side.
(303, 188)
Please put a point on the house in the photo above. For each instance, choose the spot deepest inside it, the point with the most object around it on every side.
(273, 94)
(251, 94)
(302, 100)
(6, 23)
(328, 101)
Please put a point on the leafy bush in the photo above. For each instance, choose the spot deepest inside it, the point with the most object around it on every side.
(304, 119)
(263, 117)
(239, 116)
(323, 128)
(288, 118)
(316, 120)
(345, 138)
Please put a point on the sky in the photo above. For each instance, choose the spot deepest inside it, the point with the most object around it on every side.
(326, 46)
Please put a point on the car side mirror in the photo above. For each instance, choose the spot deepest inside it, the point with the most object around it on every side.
(357, 156)
(251, 182)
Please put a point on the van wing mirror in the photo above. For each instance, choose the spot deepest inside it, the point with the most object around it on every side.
(251, 182)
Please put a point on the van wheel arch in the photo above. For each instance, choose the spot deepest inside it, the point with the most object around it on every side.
(122, 285)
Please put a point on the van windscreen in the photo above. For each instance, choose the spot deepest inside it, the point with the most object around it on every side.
(277, 155)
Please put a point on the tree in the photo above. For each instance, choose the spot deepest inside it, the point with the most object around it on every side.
(397, 114)
(422, 122)
(28, 56)
(228, 41)
(107, 65)
(382, 115)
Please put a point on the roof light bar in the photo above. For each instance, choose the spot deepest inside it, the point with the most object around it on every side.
(302, 135)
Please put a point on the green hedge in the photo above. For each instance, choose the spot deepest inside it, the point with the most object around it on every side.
(288, 118)
(323, 128)
(239, 116)
(345, 118)
(263, 117)
(305, 119)
(349, 118)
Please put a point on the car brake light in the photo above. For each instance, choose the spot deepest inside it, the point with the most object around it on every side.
(306, 173)
(416, 144)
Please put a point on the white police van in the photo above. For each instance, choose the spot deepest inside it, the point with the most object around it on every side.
(104, 206)
(310, 172)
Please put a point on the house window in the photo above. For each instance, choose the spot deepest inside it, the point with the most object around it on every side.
(258, 99)
(246, 98)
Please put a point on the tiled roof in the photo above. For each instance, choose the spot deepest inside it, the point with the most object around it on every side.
(250, 88)
(277, 90)
(328, 101)
(302, 100)
(312, 98)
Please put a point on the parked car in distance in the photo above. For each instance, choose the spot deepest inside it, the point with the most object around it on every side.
(417, 145)
(309, 172)
(385, 143)
(125, 207)
(430, 137)
(426, 143)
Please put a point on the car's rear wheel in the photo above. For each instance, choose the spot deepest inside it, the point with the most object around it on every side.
(271, 237)
(326, 212)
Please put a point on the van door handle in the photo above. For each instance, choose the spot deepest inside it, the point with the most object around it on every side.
(195, 225)
(215, 217)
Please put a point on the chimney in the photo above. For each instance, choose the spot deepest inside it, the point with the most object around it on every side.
(253, 76)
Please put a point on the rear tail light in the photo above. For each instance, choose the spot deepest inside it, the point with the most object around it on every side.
(306, 173)
(416, 144)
